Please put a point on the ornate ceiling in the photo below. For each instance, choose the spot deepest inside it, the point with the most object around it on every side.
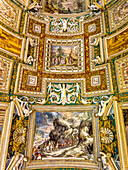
(64, 84)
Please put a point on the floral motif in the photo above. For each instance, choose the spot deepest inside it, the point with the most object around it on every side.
(19, 135)
(106, 135)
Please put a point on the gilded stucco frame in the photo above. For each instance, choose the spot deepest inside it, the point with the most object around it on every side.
(110, 12)
(106, 47)
(6, 132)
(79, 42)
(61, 162)
(121, 135)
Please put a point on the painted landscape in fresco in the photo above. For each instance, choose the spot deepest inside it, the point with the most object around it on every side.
(125, 113)
(65, 6)
(2, 116)
(64, 55)
(63, 134)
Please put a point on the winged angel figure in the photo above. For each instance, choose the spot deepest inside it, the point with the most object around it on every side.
(63, 94)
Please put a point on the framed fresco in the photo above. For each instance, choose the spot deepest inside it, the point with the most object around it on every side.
(124, 124)
(64, 56)
(125, 115)
(65, 6)
(63, 137)
(121, 124)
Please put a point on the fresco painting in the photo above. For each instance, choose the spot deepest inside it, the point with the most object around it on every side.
(117, 43)
(2, 116)
(125, 113)
(64, 55)
(63, 84)
(63, 134)
(65, 6)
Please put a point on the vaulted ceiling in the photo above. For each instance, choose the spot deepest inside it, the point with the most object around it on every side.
(64, 84)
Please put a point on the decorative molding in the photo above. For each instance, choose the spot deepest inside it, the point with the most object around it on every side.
(6, 68)
(11, 14)
(13, 44)
(116, 43)
(118, 14)
(121, 73)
